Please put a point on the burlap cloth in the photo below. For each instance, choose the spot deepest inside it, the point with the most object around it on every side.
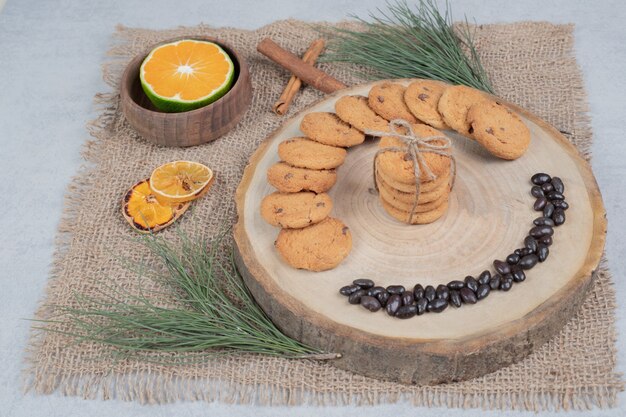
(531, 64)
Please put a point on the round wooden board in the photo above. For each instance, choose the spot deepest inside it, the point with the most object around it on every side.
(490, 213)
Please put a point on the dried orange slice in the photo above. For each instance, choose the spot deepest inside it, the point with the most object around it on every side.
(180, 181)
(186, 75)
(145, 213)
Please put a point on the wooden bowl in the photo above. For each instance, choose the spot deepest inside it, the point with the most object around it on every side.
(186, 128)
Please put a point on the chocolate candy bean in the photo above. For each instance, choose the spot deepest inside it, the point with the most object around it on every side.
(542, 253)
(355, 297)
(518, 275)
(553, 195)
(528, 261)
(543, 221)
(540, 203)
(455, 298)
(558, 185)
(406, 312)
(442, 292)
(370, 303)
(545, 240)
(374, 291)
(484, 277)
(483, 291)
(506, 283)
(494, 282)
(547, 187)
(383, 297)
(560, 204)
(407, 298)
(437, 305)
(456, 285)
(548, 210)
(430, 293)
(512, 259)
(536, 191)
(364, 283)
(468, 296)
(525, 251)
(501, 267)
(558, 217)
(421, 305)
(471, 283)
(539, 231)
(395, 289)
(393, 304)
(349, 289)
(530, 243)
(540, 178)
(418, 291)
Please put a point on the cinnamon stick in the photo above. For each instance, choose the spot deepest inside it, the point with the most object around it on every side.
(294, 84)
(306, 72)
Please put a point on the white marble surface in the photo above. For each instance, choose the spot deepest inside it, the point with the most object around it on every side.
(50, 56)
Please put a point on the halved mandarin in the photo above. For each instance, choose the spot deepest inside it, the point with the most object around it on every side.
(186, 74)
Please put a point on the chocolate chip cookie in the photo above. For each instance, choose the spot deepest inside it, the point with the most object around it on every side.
(498, 129)
(318, 247)
(387, 100)
(355, 111)
(329, 129)
(422, 97)
(290, 179)
(295, 210)
(306, 153)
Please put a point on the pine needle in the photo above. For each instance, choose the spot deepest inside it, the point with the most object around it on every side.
(400, 42)
(214, 312)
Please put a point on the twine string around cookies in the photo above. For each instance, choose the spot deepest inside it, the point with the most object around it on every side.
(415, 148)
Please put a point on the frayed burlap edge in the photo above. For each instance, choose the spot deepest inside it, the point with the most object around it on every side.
(46, 378)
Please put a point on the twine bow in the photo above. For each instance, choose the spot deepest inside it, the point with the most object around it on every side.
(415, 147)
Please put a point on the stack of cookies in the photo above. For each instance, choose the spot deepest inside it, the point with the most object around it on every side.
(397, 184)
(309, 238)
